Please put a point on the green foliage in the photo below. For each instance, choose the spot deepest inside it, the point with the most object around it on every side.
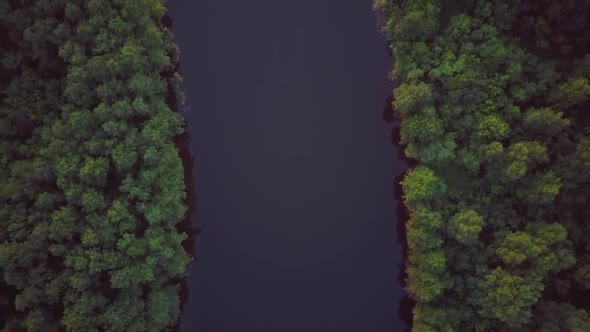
(560, 317)
(430, 318)
(421, 128)
(521, 157)
(424, 286)
(412, 98)
(162, 307)
(509, 297)
(545, 121)
(493, 105)
(91, 183)
(421, 184)
(541, 188)
(420, 19)
(465, 226)
(492, 127)
(573, 92)
(423, 227)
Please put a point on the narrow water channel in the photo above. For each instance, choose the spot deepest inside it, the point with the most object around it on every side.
(294, 167)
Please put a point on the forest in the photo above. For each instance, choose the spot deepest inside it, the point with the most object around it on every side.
(494, 107)
(494, 103)
(92, 188)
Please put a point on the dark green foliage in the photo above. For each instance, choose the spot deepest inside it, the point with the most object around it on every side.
(494, 107)
(91, 184)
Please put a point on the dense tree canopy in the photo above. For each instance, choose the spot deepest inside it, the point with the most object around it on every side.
(494, 107)
(91, 183)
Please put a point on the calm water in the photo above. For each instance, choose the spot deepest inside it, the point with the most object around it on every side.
(294, 167)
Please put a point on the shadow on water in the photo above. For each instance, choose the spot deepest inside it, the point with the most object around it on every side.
(181, 141)
(186, 225)
(406, 304)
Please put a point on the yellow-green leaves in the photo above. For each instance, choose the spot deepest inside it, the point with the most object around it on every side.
(544, 121)
(421, 128)
(492, 127)
(573, 92)
(421, 184)
(543, 246)
(94, 172)
(63, 224)
(424, 286)
(523, 155)
(420, 20)
(412, 97)
(518, 247)
(541, 188)
(465, 226)
(509, 297)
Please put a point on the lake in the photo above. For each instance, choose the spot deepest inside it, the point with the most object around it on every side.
(294, 167)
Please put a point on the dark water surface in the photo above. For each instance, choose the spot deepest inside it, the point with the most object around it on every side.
(294, 167)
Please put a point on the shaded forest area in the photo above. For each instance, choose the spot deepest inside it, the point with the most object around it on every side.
(91, 183)
(495, 107)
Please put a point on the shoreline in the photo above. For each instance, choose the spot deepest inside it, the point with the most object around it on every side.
(181, 142)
